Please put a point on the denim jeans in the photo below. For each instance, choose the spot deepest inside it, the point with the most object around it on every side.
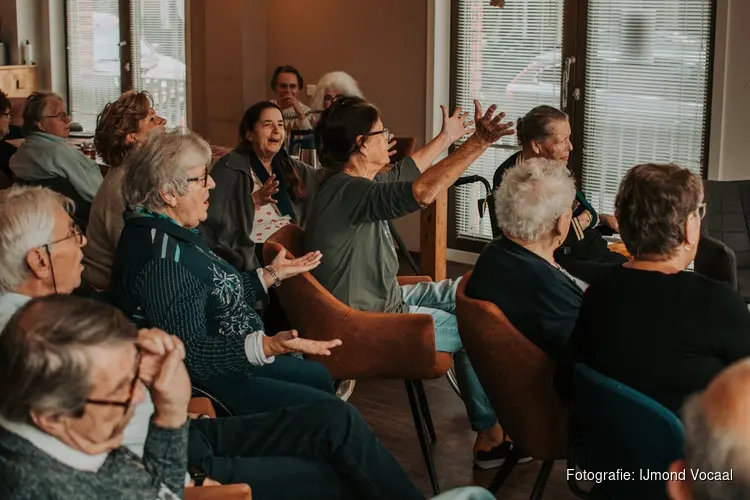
(439, 301)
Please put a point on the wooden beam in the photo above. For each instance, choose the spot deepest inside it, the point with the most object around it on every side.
(434, 238)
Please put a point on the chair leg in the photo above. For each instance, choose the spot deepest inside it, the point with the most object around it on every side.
(419, 425)
(425, 407)
(541, 480)
(502, 474)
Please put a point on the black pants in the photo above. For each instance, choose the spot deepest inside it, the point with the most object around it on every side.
(323, 450)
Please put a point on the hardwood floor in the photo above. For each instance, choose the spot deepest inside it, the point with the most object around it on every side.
(385, 407)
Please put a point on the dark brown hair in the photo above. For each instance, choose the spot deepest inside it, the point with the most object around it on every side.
(44, 363)
(535, 125)
(651, 207)
(286, 69)
(4, 102)
(247, 124)
(338, 128)
(116, 121)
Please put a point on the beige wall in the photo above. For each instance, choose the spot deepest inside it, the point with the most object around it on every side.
(730, 110)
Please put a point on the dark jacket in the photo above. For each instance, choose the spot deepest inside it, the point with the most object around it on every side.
(231, 210)
(165, 276)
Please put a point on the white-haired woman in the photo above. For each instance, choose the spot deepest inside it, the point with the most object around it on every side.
(333, 84)
(164, 275)
(517, 271)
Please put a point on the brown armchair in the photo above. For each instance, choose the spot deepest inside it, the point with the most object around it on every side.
(404, 147)
(518, 379)
(374, 345)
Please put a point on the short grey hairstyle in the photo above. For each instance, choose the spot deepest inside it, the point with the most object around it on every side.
(45, 361)
(340, 80)
(159, 166)
(35, 109)
(715, 449)
(27, 219)
(532, 196)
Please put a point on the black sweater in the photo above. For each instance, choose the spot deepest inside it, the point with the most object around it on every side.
(664, 335)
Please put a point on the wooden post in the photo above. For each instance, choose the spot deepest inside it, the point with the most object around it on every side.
(434, 238)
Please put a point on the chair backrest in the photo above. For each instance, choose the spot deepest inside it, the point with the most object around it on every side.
(404, 147)
(616, 427)
(715, 260)
(493, 216)
(516, 375)
(64, 187)
(5, 181)
(728, 216)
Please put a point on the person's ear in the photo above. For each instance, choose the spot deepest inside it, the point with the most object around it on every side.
(681, 488)
(131, 138)
(692, 230)
(536, 147)
(40, 126)
(38, 261)
(169, 198)
(54, 425)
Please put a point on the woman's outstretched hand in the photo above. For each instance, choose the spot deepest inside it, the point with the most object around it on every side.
(264, 195)
(489, 129)
(287, 268)
(289, 341)
(456, 125)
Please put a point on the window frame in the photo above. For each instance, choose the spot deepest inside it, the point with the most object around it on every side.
(574, 34)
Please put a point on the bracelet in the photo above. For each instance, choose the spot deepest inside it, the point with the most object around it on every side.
(274, 275)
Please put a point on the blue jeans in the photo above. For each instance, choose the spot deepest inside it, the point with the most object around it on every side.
(439, 301)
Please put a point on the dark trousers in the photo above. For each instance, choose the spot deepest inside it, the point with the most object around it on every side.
(288, 381)
(323, 450)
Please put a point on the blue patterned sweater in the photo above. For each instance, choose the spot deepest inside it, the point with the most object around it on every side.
(166, 276)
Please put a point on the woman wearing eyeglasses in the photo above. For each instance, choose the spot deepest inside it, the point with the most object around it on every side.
(46, 159)
(286, 83)
(165, 276)
(653, 325)
(259, 189)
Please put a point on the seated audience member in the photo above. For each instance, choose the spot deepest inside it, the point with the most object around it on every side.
(231, 449)
(71, 369)
(286, 83)
(652, 325)
(349, 224)
(545, 132)
(121, 126)
(517, 271)
(6, 149)
(717, 443)
(335, 83)
(165, 276)
(259, 189)
(45, 158)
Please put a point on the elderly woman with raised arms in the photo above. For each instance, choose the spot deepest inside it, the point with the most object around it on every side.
(166, 276)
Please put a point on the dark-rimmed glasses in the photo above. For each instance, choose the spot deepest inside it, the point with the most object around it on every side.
(8, 114)
(123, 404)
(385, 131)
(203, 179)
(62, 116)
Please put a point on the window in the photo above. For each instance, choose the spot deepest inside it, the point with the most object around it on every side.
(117, 45)
(637, 86)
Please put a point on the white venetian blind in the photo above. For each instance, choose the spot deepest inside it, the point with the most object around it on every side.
(93, 34)
(158, 55)
(510, 57)
(646, 89)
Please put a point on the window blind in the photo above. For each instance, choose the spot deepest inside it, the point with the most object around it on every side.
(646, 89)
(510, 57)
(93, 51)
(158, 55)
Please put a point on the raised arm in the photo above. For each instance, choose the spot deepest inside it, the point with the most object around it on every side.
(439, 178)
(454, 127)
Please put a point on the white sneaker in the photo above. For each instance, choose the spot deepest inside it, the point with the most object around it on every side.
(345, 389)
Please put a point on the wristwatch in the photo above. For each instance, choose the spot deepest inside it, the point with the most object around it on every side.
(197, 475)
(274, 275)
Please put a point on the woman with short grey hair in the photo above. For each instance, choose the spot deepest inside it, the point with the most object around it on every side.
(45, 158)
(164, 275)
(517, 271)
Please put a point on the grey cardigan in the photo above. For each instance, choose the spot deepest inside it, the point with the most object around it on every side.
(231, 209)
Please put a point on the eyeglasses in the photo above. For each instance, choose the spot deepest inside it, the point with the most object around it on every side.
(62, 116)
(328, 97)
(385, 131)
(75, 232)
(701, 210)
(123, 404)
(202, 179)
(288, 86)
(8, 114)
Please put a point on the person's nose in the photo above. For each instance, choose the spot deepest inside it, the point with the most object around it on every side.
(211, 184)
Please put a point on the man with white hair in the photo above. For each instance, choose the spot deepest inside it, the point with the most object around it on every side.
(717, 440)
(517, 271)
